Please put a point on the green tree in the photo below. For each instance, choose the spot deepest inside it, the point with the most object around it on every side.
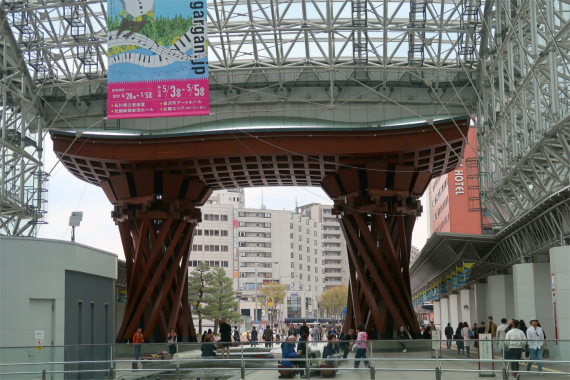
(220, 298)
(197, 288)
(334, 300)
(275, 290)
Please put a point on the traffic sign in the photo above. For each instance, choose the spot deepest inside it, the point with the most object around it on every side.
(345, 310)
(269, 301)
(256, 322)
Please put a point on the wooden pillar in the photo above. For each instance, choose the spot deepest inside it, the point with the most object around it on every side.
(156, 213)
(378, 204)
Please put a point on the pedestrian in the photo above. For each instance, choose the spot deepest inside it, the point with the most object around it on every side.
(331, 348)
(172, 339)
(432, 326)
(207, 348)
(315, 334)
(467, 335)
(138, 340)
(459, 338)
(305, 329)
(448, 334)
(298, 331)
(402, 337)
(536, 337)
(522, 326)
(491, 328)
(292, 330)
(346, 342)
(501, 334)
(475, 330)
(302, 346)
(427, 332)
(253, 337)
(277, 336)
(515, 341)
(361, 346)
(236, 335)
(268, 337)
(225, 338)
(211, 335)
(204, 335)
(288, 352)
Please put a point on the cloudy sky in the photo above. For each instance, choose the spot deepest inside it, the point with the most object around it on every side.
(67, 194)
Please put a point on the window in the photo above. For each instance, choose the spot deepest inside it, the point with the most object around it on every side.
(299, 218)
(294, 307)
(300, 248)
(300, 257)
(308, 240)
(307, 223)
(315, 254)
(292, 265)
(315, 260)
(309, 279)
(316, 278)
(308, 259)
(300, 266)
(308, 250)
(299, 228)
(292, 255)
(291, 245)
(300, 278)
(315, 242)
(291, 225)
(307, 231)
(241, 224)
(308, 270)
(292, 274)
(300, 238)
(315, 233)
(291, 236)
(316, 270)
(224, 232)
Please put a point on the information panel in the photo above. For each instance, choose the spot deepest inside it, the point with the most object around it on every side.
(158, 58)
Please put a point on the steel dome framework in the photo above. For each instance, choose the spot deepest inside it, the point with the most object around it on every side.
(504, 62)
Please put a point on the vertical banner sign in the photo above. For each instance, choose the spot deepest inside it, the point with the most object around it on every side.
(443, 286)
(460, 276)
(486, 355)
(449, 282)
(435, 344)
(467, 268)
(554, 308)
(454, 279)
(158, 58)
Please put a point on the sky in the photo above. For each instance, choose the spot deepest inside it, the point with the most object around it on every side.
(66, 193)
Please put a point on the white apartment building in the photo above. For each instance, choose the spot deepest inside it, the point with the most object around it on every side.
(334, 252)
(286, 248)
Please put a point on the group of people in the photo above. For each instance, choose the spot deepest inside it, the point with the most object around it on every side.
(513, 339)
(295, 348)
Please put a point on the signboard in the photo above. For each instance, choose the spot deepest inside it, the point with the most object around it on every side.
(158, 59)
(554, 307)
(269, 301)
(435, 344)
(486, 353)
(39, 336)
(256, 323)
(344, 311)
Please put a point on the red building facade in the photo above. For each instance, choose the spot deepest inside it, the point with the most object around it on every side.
(454, 197)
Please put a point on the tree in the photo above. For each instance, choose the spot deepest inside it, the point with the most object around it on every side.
(197, 288)
(275, 290)
(334, 300)
(220, 298)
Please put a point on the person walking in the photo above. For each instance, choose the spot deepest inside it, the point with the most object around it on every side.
(501, 334)
(138, 340)
(236, 336)
(475, 330)
(315, 335)
(303, 347)
(491, 327)
(254, 337)
(467, 335)
(448, 335)
(346, 342)
(305, 329)
(225, 338)
(268, 337)
(459, 338)
(536, 338)
(361, 346)
(402, 337)
(172, 339)
(515, 341)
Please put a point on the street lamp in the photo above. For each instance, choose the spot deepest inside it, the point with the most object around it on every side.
(74, 221)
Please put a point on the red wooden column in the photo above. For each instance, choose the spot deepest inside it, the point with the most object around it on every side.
(379, 204)
(156, 213)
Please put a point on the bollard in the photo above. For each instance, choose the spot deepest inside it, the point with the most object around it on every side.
(307, 368)
(505, 373)
(44, 374)
(437, 373)
(242, 370)
(372, 370)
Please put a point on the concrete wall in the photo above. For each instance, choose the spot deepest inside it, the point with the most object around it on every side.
(480, 290)
(32, 277)
(500, 297)
(532, 287)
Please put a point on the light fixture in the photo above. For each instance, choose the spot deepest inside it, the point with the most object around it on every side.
(74, 221)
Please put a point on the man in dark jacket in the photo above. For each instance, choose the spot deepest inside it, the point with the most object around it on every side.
(288, 352)
(254, 337)
(304, 329)
(268, 337)
(448, 335)
(345, 345)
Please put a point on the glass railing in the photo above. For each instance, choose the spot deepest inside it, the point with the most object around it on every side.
(430, 359)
